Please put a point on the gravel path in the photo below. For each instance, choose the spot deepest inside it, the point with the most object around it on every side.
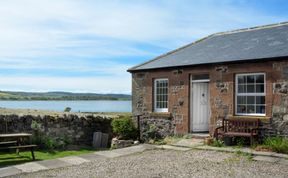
(169, 163)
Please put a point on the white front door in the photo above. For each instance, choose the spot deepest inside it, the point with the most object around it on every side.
(200, 107)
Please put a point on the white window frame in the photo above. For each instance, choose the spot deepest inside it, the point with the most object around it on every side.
(249, 94)
(155, 95)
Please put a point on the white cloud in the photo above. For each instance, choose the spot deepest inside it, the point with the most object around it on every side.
(86, 36)
(113, 84)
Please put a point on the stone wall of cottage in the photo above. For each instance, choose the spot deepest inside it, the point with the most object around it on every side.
(77, 128)
(222, 89)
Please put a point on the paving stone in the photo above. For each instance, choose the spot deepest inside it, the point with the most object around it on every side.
(74, 160)
(30, 167)
(189, 142)
(9, 171)
(266, 159)
(177, 148)
(108, 154)
(92, 157)
(54, 163)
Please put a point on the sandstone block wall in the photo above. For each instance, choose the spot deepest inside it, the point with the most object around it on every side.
(222, 94)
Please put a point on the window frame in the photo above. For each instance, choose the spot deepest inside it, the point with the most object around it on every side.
(249, 94)
(155, 95)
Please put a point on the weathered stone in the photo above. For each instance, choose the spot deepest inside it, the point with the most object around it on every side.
(64, 126)
(121, 143)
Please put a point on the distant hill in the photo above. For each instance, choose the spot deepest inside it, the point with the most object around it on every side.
(11, 95)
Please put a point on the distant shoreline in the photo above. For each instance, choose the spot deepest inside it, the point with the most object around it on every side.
(60, 96)
(65, 99)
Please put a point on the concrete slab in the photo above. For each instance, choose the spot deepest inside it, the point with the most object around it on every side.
(9, 171)
(266, 159)
(108, 154)
(92, 157)
(30, 167)
(193, 142)
(177, 148)
(54, 163)
(74, 160)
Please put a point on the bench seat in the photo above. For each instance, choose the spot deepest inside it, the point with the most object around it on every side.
(239, 134)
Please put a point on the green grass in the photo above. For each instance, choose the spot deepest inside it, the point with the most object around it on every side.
(7, 159)
(277, 144)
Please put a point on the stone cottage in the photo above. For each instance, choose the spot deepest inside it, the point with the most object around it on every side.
(235, 74)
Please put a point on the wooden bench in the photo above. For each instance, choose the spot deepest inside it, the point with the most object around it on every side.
(238, 128)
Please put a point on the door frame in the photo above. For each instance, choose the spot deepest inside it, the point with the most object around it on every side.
(191, 102)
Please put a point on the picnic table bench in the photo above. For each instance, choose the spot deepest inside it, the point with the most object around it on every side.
(238, 127)
(15, 141)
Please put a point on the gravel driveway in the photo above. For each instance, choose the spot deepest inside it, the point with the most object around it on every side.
(170, 163)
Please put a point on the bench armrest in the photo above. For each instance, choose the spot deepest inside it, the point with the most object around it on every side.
(220, 127)
(216, 131)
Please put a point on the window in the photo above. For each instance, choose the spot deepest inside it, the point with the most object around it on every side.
(161, 95)
(250, 94)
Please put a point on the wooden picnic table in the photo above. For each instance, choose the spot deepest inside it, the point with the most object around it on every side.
(18, 139)
(15, 135)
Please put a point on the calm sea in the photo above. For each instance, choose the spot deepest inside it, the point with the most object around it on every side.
(76, 106)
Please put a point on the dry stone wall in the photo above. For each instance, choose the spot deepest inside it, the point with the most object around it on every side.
(78, 129)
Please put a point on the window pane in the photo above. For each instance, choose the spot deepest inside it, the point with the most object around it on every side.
(241, 99)
(241, 79)
(200, 77)
(242, 89)
(260, 109)
(260, 99)
(250, 109)
(251, 79)
(259, 78)
(250, 99)
(250, 88)
(241, 109)
(260, 88)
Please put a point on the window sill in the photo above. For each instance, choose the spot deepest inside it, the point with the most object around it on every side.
(161, 114)
(261, 118)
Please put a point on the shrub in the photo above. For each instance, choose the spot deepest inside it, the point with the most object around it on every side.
(277, 144)
(67, 109)
(217, 143)
(124, 128)
(46, 142)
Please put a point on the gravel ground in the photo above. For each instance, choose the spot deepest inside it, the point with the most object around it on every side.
(169, 163)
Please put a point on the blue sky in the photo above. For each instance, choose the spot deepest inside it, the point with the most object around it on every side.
(87, 45)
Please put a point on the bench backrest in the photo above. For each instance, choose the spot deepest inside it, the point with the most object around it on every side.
(240, 125)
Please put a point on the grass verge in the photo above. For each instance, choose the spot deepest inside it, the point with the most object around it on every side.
(8, 159)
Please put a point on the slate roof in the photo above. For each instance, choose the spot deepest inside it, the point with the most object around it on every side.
(240, 45)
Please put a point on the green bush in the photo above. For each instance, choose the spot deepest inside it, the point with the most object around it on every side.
(217, 143)
(67, 109)
(46, 142)
(277, 144)
(124, 128)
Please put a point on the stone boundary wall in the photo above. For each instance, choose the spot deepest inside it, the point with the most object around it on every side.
(77, 128)
(156, 127)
